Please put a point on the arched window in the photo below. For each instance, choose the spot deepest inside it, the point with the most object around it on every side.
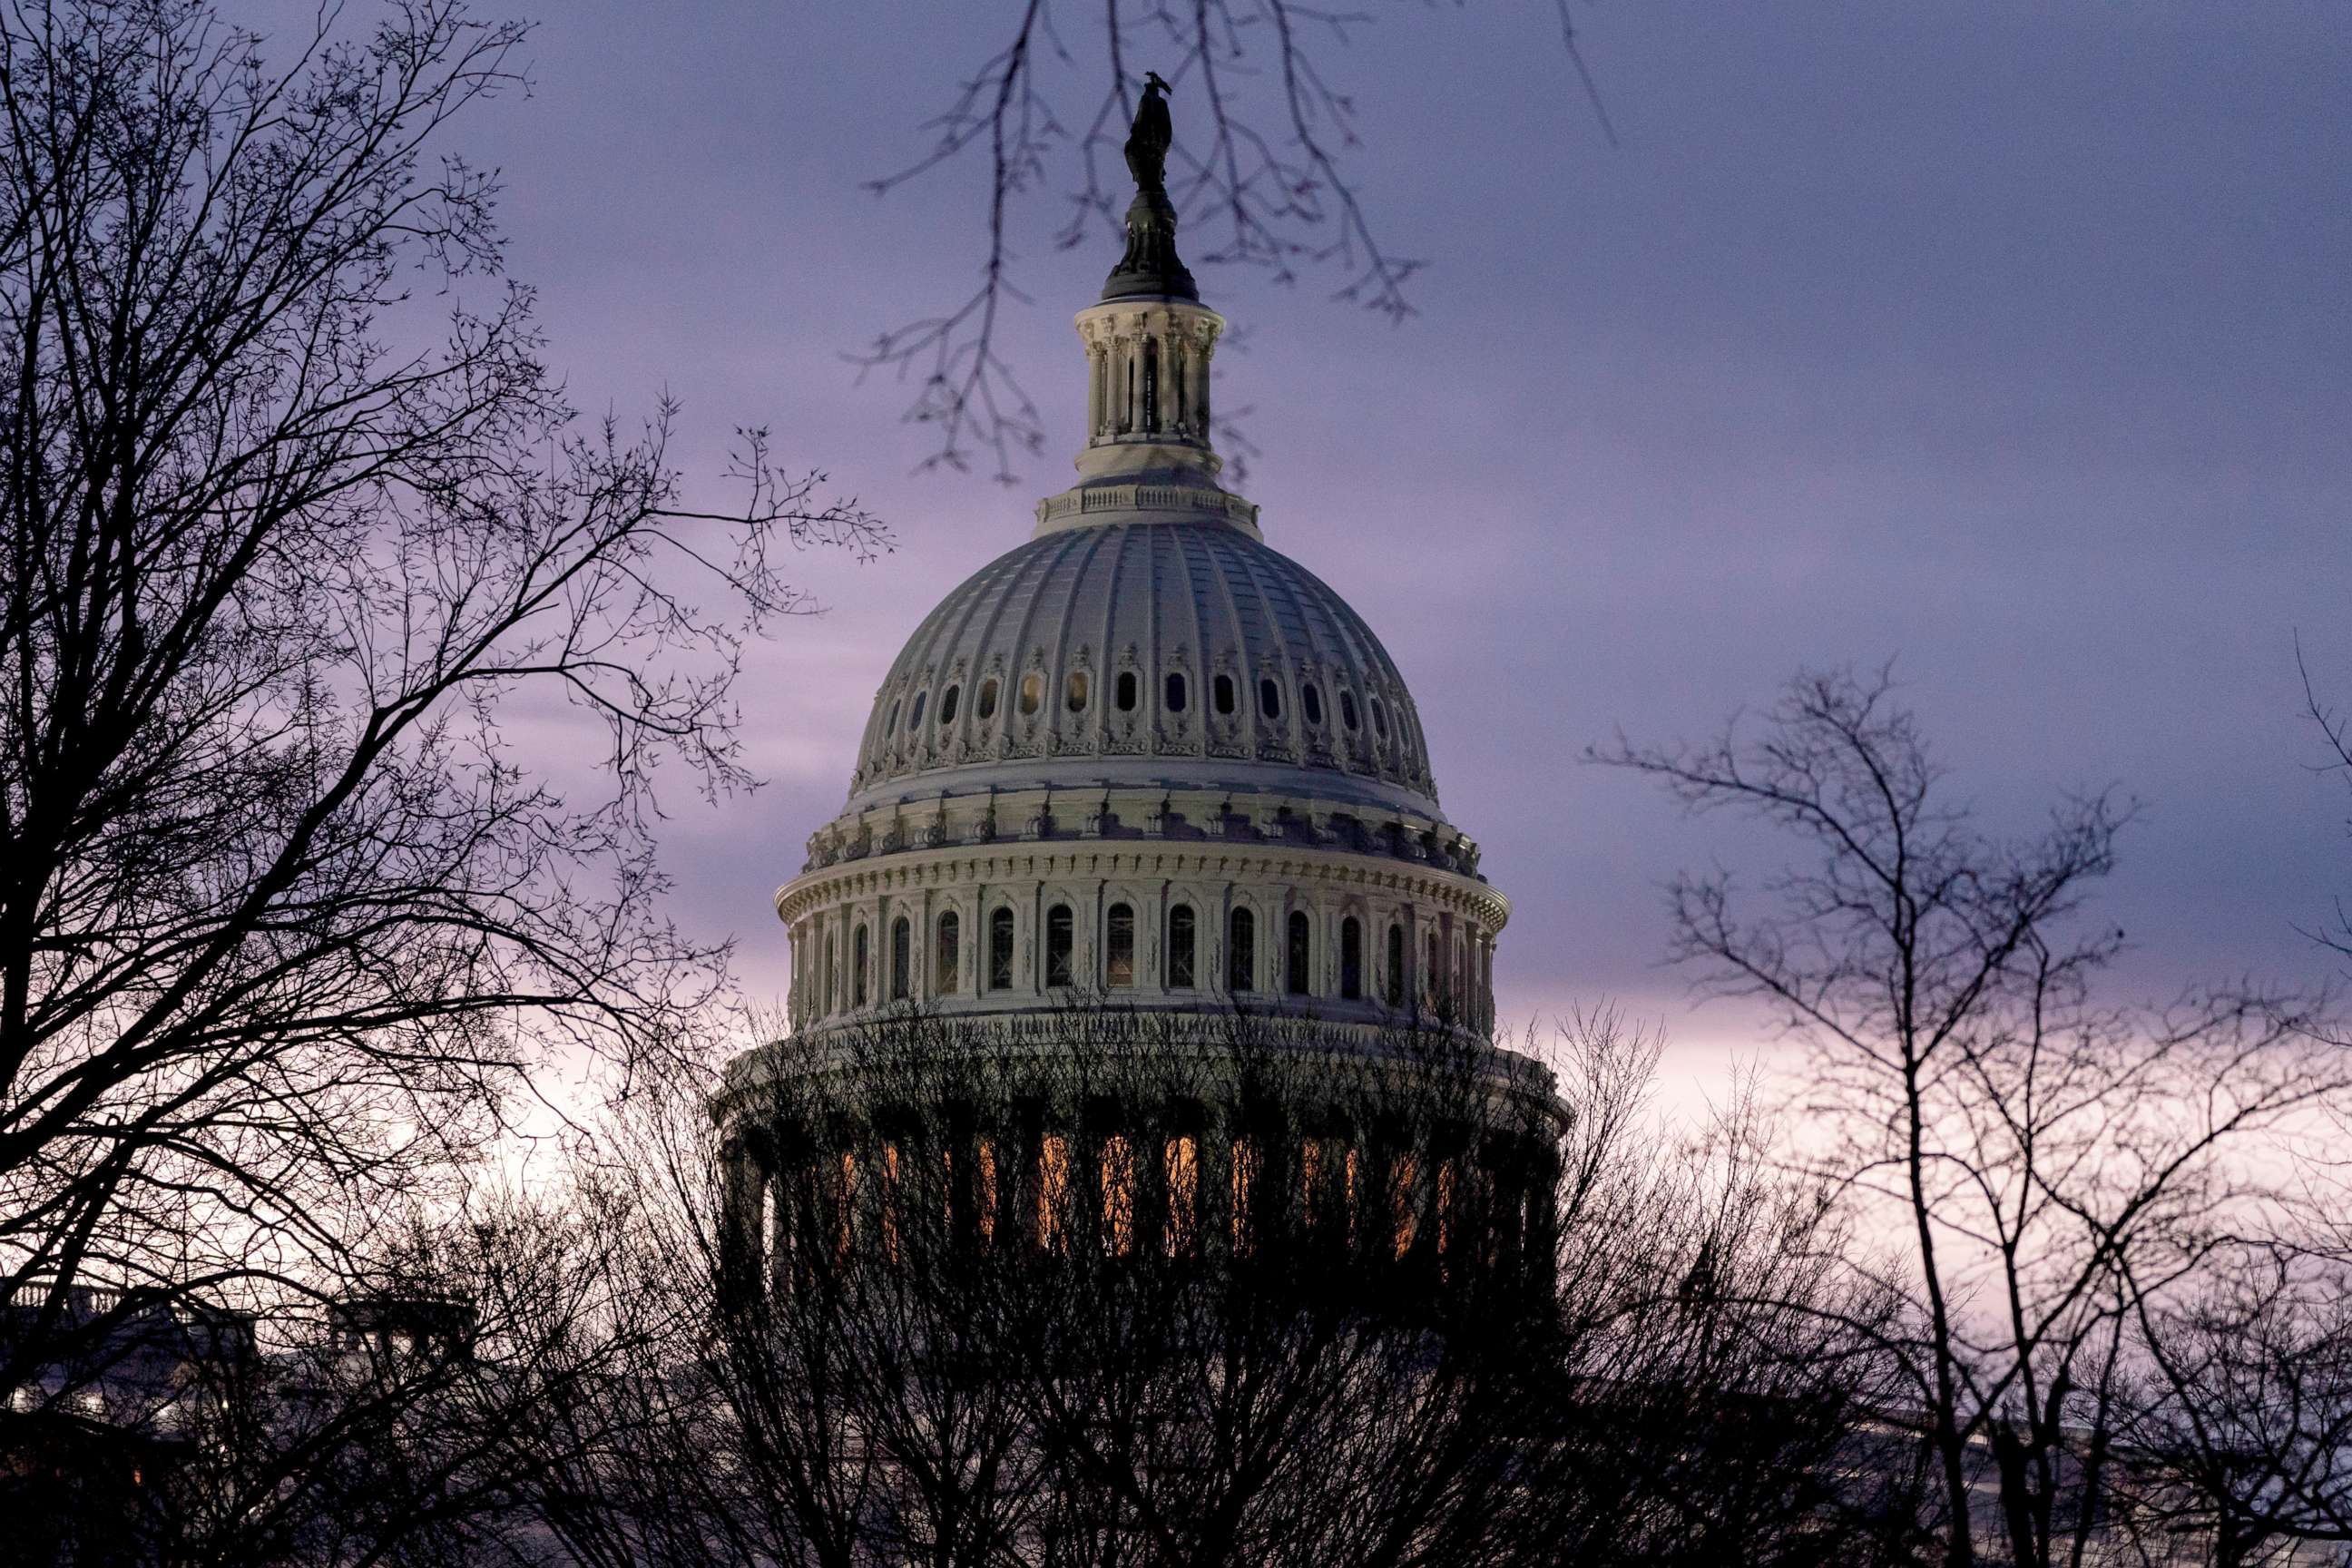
(1060, 939)
(1032, 692)
(859, 964)
(999, 950)
(1348, 710)
(946, 961)
(1152, 383)
(1119, 945)
(986, 708)
(1126, 691)
(1174, 691)
(1310, 702)
(902, 958)
(1241, 952)
(1181, 943)
(915, 714)
(1297, 951)
(948, 705)
(1432, 972)
(1269, 697)
(1075, 694)
(1462, 976)
(1224, 694)
(1393, 991)
(1351, 958)
(825, 988)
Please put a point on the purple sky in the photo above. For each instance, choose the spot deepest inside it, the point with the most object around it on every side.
(2010, 340)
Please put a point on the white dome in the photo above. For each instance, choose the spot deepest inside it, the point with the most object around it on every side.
(1143, 756)
(1169, 649)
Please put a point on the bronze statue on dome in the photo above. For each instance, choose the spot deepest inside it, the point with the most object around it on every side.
(1148, 141)
(1150, 267)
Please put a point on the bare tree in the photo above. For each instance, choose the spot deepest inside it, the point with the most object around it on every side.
(2239, 1432)
(1266, 175)
(288, 916)
(2056, 1165)
(1119, 1290)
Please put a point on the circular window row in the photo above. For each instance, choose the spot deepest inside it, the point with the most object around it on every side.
(1126, 692)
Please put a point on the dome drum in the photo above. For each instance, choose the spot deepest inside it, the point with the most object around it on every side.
(1032, 929)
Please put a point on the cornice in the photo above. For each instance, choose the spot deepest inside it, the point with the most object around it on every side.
(1286, 865)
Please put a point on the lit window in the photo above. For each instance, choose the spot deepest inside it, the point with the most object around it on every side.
(1183, 1162)
(987, 707)
(1117, 1196)
(1404, 1202)
(1074, 691)
(1032, 692)
(1053, 1189)
(984, 1188)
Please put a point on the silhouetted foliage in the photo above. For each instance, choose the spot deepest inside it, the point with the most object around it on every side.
(2060, 1167)
(288, 916)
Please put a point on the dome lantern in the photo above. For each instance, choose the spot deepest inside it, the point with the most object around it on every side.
(1148, 339)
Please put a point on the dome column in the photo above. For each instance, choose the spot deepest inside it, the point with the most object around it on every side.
(1148, 368)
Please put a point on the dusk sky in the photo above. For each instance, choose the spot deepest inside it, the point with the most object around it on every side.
(2010, 342)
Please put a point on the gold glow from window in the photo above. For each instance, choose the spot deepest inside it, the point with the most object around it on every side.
(1245, 1177)
(1053, 1190)
(845, 1194)
(1184, 1172)
(891, 1202)
(1402, 1182)
(1117, 1196)
(983, 1186)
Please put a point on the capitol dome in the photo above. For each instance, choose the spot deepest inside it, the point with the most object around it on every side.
(1152, 649)
(1143, 756)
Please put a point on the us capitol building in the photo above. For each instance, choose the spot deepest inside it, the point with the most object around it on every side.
(1144, 755)
(1142, 790)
